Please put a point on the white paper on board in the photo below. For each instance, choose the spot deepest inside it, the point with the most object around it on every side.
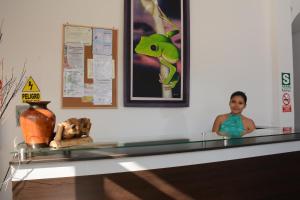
(75, 56)
(73, 83)
(90, 70)
(113, 69)
(103, 67)
(102, 92)
(75, 34)
(102, 42)
(88, 93)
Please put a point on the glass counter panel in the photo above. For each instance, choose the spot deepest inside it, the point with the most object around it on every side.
(201, 141)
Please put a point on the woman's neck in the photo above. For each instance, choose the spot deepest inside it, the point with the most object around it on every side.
(236, 114)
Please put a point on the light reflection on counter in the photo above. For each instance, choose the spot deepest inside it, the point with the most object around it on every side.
(206, 136)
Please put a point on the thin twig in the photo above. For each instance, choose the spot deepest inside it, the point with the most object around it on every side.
(2, 22)
(2, 71)
(7, 89)
(12, 90)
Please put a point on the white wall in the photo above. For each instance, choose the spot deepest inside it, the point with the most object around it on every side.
(231, 44)
(296, 57)
(295, 8)
(296, 49)
(282, 58)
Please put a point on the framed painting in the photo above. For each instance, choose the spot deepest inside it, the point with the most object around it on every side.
(156, 53)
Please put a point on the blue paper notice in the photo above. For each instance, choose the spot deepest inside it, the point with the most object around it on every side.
(102, 42)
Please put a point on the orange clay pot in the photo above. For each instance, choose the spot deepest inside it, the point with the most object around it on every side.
(37, 124)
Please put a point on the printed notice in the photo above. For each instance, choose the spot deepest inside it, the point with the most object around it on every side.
(103, 67)
(102, 42)
(90, 71)
(113, 69)
(74, 34)
(75, 56)
(73, 83)
(102, 92)
(88, 93)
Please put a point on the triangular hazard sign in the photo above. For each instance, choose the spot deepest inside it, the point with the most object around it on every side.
(30, 86)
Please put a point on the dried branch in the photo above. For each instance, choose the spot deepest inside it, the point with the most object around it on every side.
(12, 87)
(1, 29)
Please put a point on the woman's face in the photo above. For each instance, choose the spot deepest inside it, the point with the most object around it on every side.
(237, 105)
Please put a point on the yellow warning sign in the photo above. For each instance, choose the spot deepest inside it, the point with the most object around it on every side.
(30, 86)
(31, 96)
(31, 91)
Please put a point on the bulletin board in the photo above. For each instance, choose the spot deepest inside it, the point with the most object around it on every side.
(89, 67)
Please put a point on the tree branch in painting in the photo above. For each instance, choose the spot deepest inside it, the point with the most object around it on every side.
(160, 46)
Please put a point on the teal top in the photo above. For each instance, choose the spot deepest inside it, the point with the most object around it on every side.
(233, 126)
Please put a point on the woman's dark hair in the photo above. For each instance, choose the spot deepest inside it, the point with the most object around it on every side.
(241, 94)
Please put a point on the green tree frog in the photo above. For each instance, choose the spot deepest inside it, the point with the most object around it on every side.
(161, 46)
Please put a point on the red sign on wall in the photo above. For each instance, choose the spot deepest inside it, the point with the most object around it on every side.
(287, 130)
(286, 100)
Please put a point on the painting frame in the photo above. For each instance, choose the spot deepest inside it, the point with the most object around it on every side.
(129, 100)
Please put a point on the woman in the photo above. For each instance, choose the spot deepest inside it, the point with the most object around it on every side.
(234, 124)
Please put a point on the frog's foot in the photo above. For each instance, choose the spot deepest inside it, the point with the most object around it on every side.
(162, 80)
(171, 84)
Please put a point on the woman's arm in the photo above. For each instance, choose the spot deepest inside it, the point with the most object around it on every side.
(217, 124)
(250, 126)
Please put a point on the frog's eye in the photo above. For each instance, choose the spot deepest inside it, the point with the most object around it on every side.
(154, 47)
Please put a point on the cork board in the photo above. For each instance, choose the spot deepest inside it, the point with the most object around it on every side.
(81, 83)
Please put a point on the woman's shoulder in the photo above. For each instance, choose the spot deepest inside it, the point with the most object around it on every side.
(249, 124)
(247, 120)
(222, 116)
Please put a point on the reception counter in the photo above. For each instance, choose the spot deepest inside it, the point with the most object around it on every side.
(263, 165)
